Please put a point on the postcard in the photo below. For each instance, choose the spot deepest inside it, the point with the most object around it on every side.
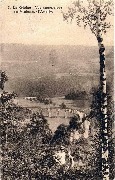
(57, 89)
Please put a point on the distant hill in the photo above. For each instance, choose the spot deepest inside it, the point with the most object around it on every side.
(52, 70)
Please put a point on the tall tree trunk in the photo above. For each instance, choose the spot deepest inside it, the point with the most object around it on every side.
(103, 110)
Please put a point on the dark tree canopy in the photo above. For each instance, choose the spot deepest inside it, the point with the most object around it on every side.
(74, 122)
(3, 79)
(89, 12)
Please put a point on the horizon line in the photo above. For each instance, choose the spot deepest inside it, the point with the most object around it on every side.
(53, 44)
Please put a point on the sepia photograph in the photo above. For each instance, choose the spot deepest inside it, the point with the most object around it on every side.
(57, 90)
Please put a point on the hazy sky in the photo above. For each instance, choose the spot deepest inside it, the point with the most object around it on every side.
(46, 29)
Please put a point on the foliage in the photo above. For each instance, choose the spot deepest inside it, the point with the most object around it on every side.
(96, 113)
(20, 144)
(74, 122)
(111, 115)
(6, 97)
(86, 14)
(28, 151)
(46, 101)
(3, 79)
(96, 103)
(28, 146)
(62, 105)
(73, 95)
(60, 136)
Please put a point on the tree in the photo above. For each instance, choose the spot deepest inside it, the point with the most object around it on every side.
(3, 79)
(62, 105)
(74, 123)
(96, 103)
(95, 14)
(60, 136)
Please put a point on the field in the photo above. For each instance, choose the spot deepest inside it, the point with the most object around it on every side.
(56, 118)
